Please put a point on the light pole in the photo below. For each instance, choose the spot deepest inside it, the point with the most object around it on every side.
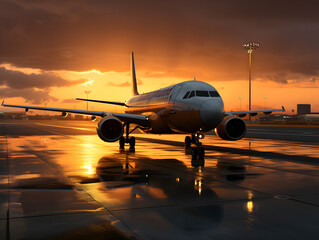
(265, 97)
(240, 98)
(250, 47)
(87, 92)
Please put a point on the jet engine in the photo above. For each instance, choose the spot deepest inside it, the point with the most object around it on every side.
(231, 128)
(110, 129)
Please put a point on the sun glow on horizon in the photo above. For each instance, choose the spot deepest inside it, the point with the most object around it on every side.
(87, 83)
(91, 71)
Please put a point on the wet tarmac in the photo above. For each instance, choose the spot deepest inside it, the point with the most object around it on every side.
(58, 180)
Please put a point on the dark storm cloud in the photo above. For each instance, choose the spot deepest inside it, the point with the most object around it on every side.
(182, 37)
(30, 95)
(19, 80)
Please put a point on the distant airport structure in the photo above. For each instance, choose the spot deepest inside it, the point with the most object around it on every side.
(304, 115)
(13, 115)
(17, 115)
(303, 109)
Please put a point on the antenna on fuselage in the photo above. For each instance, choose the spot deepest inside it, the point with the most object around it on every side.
(134, 84)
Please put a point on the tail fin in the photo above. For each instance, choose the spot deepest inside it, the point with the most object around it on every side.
(134, 86)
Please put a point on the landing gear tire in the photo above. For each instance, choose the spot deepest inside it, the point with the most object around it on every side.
(132, 143)
(198, 152)
(122, 142)
(198, 157)
(194, 153)
(201, 153)
(188, 141)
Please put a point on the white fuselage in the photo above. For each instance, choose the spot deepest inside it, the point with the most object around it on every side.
(185, 107)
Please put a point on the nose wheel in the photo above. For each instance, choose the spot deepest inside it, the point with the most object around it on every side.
(197, 151)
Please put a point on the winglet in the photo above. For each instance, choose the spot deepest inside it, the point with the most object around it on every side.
(283, 109)
(2, 103)
(134, 86)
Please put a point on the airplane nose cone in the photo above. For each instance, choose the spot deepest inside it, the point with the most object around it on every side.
(212, 112)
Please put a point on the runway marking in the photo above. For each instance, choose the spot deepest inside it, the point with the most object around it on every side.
(283, 126)
(77, 128)
(289, 134)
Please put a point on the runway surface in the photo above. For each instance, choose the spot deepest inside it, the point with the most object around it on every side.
(58, 180)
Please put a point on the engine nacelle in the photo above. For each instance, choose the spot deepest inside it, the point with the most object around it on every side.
(110, 129)
(231, 128)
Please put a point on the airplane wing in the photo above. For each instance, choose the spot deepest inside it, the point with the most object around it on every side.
(100, 101)
(254, 113)
(142, 120)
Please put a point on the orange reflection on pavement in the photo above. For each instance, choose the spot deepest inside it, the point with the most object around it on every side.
(250, 206)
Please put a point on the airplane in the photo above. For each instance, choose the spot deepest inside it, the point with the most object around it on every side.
(190, 107)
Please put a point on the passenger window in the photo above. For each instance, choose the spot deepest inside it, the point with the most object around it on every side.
(214, 94)
(186, 95)
(192, 94)
(202, 94)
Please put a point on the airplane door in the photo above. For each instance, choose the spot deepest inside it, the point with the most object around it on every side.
(174, 118)
(173, 99)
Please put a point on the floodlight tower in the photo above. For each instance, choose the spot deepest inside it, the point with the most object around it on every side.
(87, 92)
(250, 47)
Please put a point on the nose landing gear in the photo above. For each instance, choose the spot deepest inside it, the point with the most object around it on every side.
(197, 151)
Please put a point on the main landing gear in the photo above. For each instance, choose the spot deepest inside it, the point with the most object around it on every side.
(127, 139)
(197, 151)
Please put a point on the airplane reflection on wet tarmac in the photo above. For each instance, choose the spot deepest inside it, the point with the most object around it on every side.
(148, 185)
(130, 178)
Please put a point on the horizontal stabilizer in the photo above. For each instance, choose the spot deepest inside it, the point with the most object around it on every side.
(100, 101)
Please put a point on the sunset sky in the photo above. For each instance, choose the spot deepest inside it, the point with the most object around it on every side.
(49, 48)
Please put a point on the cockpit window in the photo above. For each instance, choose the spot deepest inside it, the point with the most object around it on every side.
(202, 94)
(186, 95)
(214, 94)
